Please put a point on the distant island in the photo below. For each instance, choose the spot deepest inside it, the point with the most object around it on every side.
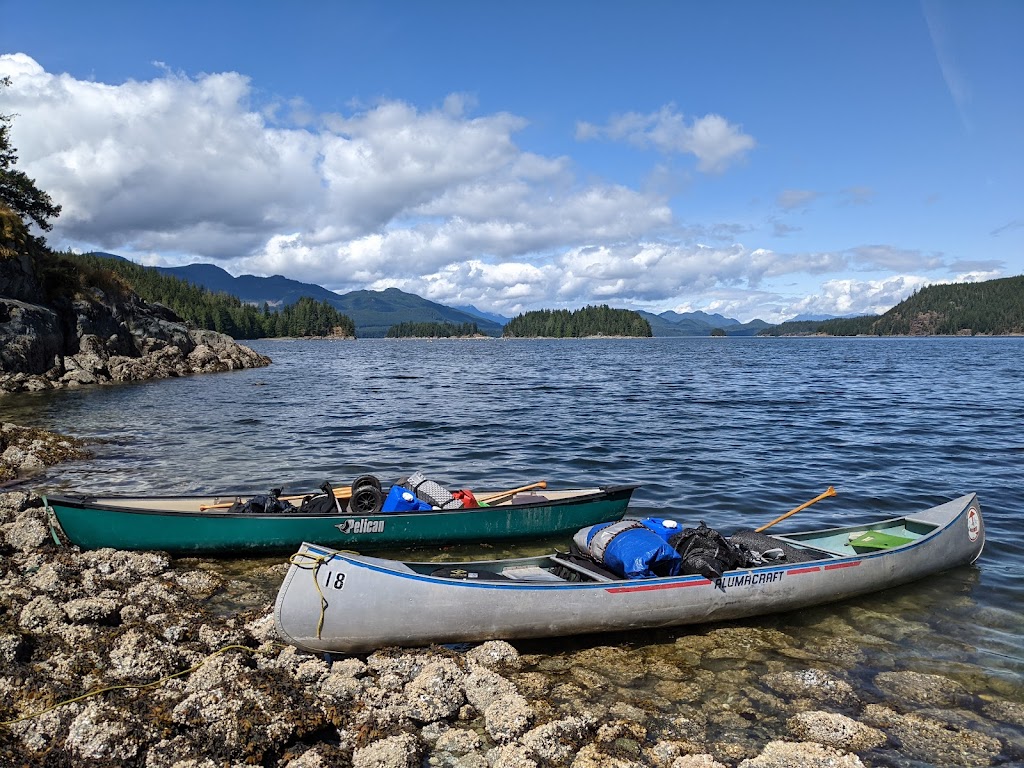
(581, 323)
(433, 331)
(989, 308)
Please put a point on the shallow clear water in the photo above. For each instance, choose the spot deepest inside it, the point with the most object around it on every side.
(730, 431)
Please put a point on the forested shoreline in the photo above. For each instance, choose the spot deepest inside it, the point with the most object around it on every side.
(589, 321)
(989, 308)
(201, 308)
(411, 330)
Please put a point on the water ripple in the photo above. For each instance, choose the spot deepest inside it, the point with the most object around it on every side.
(733, 432)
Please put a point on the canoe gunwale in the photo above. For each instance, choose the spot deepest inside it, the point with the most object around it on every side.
(181, 530)
(109, 504)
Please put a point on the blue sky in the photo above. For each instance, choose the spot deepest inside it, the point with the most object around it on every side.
(759, 160)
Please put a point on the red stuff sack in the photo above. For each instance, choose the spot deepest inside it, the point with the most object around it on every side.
(467, 498)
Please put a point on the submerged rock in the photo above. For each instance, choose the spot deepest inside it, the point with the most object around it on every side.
(813, 684)
(25, 451)
(783, 754)
(834, 730)
(932, 741)
(916, 689)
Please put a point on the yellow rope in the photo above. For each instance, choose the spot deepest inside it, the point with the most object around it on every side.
(307, 561)
(129, 686)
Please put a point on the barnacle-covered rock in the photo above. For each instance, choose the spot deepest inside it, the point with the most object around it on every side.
(834, 730)
(784, 754)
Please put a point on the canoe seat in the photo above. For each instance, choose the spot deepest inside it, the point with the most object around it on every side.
(464, 574)
(531, 573)
(585, 567)
(875, 540)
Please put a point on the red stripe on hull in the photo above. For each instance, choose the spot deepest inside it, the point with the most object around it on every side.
(854, 564)
(649, 587)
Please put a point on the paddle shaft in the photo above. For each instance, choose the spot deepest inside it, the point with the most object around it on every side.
(495, 497)
(830, 492)
(339, 493)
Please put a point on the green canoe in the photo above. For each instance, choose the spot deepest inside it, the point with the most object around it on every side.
(185, 524)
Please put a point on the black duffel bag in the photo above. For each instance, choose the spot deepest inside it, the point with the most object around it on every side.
(707, 552)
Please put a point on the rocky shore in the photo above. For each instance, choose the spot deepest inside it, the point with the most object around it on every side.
(59, 328)
(25, 451)
(149, 343)
(121, 658)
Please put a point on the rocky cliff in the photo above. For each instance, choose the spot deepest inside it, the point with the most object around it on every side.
(58, 329)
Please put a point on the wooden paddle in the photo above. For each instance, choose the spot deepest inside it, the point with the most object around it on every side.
(339, 493)
(830, 492)
(497, 497)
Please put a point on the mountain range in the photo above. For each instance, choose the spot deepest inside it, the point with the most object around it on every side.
(700, 324)
(375, 311)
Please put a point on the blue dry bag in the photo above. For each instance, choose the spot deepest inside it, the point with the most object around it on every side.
(662, 526)
(629, 549)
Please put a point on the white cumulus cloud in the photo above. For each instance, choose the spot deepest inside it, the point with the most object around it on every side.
(713, 140)
(440, 202)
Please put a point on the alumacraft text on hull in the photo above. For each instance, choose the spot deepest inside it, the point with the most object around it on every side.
(340, 602)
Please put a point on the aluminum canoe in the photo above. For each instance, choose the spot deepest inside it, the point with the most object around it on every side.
(341, 602)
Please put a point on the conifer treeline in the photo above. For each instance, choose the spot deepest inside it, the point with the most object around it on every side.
(589, 321)
(993, 307)
(219, 311)
(432, 330)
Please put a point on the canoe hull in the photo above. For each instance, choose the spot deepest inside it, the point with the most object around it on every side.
(93, 524)
(357, 604)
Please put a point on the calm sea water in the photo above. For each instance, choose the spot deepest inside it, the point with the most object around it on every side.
(730, 431)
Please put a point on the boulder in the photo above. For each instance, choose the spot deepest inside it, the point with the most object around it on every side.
(31, 340)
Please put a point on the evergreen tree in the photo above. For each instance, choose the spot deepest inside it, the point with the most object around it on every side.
(432, 330)
(589, 321)
(200, 308)
(17, 191)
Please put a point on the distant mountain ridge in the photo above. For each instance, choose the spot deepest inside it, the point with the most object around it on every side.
(494, 318)
(700, 324)
(375, 311)
(277, 291)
